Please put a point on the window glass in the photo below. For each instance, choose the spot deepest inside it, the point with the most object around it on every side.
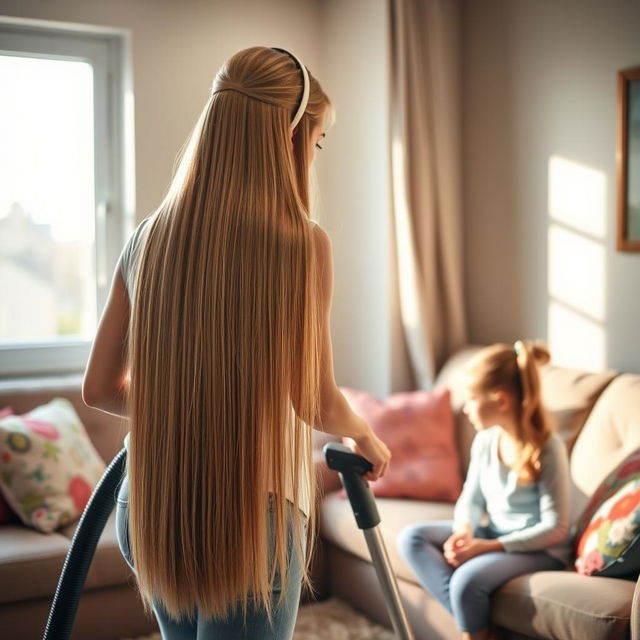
(47, 200)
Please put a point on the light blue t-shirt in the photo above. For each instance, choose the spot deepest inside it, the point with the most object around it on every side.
(530, 517)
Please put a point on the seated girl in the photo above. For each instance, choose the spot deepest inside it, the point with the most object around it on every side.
(512, 516)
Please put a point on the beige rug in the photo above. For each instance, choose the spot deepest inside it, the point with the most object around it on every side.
(335, 620)
(330, 619)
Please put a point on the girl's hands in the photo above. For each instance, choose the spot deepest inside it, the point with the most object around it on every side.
(468, 548)
(457, 541)
(373, 449)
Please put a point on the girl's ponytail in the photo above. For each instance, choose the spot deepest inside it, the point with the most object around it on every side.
(514, 368)
(533, 423)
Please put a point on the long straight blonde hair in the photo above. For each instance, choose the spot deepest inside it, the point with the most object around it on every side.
(514, 369)
(223, 346)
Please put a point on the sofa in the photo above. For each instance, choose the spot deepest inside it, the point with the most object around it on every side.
(31, 561)
(598, 416)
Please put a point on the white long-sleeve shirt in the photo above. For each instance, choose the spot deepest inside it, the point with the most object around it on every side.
(523, 518)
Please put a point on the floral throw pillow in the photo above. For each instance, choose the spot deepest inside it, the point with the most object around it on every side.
(629, 468)
(609, 545)
(608, 534)
(48, 465)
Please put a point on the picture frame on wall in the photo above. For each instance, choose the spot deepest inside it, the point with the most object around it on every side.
(628, 160)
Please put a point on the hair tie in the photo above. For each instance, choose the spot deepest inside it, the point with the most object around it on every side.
(518, 347)
(305, 87)
(219, 87)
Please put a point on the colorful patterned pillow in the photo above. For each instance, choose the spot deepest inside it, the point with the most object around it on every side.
(418, 427)
(629, 468)
(48, 465)
(609, 545)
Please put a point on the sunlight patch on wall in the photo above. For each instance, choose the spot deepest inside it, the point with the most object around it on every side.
(577, 196)
(575, 341)
(576, 271)
(576, 267)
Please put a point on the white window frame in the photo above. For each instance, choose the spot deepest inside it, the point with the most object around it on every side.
(108, 51)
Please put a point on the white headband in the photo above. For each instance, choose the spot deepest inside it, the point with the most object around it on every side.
(305, 90)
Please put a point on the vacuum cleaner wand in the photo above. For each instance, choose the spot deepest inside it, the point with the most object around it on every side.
(351, 468)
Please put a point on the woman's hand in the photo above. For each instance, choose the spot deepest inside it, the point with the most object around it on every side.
(470, 549)
(373, 449)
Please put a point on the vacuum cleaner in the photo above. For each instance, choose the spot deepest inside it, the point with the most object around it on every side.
(350, 467)
(83, 546)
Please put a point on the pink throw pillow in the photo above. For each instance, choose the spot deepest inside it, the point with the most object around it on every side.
(418, 427)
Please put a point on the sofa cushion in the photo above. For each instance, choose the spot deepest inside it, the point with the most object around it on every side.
(338, 525)
(610, 434)
(565, 605)
(48, 465)
(569, 395)
(31, 561)
(418, 428)
(558, 604)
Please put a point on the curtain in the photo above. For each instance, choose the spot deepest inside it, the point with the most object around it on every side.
(426, 181)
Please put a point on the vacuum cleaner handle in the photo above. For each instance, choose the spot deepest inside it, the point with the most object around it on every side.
(83, 546)
(351, 467)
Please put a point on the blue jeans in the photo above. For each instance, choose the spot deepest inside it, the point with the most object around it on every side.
(466, 590)
(233, 628)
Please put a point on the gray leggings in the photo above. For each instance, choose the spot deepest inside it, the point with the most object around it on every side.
(233, 628)
(465, 591)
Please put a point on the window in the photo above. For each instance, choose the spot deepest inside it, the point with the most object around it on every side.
(65, 192)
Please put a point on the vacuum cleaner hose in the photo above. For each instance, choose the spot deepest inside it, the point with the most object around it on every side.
(83, 546)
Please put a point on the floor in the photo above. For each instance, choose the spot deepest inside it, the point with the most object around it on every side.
(330, 619)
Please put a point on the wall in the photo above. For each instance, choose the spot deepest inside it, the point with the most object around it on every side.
(177, 48)
(539, 139)
(353, 171)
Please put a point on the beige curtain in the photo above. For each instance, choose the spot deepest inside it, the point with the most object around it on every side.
(426, 182)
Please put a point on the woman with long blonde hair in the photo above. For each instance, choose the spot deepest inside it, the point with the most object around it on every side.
(512, 517)
(215, 344)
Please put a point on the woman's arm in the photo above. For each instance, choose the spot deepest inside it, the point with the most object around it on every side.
(105, 384)
(336, 416)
